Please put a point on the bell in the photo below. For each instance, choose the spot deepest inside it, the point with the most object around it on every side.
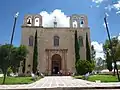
(82, 22)
(29, 22)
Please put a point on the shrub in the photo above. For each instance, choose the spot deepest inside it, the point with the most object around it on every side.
(84, 66)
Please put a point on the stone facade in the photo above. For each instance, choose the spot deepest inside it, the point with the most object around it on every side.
(53, 58)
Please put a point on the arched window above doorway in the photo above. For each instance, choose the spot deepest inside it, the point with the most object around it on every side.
(56, 41)
(31, 41)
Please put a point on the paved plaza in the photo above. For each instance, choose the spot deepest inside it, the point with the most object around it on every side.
(59, 82)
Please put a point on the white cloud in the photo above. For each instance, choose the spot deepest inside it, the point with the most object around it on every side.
(119, 36)
(49, 18)
(107, 14)
(109, 7)
(98, 48)
(98, 6)
(97, 1)
(118, 12)
(104, 25)
(117, 5)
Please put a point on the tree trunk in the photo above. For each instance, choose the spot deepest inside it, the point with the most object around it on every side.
(114, 71)
(4, 77)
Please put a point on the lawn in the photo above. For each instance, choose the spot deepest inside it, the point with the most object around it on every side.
(102, 78)
(18, 80)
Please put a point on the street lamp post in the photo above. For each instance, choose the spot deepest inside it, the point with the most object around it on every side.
(15, 19)
(11, 40)
(112, 53)
(13, 31)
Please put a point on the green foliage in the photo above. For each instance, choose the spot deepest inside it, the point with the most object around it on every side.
(35, 54)
(117, 54)
(88, 53)
(93, 52)
(118, 67)
(109, 62)
(9, 71)
(4, 59)
(107, 51)
(19, 54)
(11, 56)
(4, 62)
(115, 45)
(84, 66)
(77, 55)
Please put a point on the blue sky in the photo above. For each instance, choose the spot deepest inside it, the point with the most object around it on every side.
(94, 9)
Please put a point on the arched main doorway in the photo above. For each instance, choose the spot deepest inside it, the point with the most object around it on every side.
(56, 64)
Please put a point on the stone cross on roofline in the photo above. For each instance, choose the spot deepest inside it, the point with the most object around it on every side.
(55, 22)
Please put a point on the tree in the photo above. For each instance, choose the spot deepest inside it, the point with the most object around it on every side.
(117, 54)
(35, 54)
(23, 69)
(109, 62)
(4, 59)
(13, 61)
(106, 46)
(10, 57)
(107, 51)
(99, 64)
(88, 54)
(19, 54)
(84, 66)
(77, 55)
(93, 52)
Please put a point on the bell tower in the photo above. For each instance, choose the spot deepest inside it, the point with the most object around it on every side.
(78, 21)
(33, 20)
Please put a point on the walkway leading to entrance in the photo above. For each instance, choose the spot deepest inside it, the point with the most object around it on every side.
(60, 81)
(63, 83)
(71, 83)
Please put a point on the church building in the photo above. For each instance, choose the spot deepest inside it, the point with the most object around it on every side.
(56, 45)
